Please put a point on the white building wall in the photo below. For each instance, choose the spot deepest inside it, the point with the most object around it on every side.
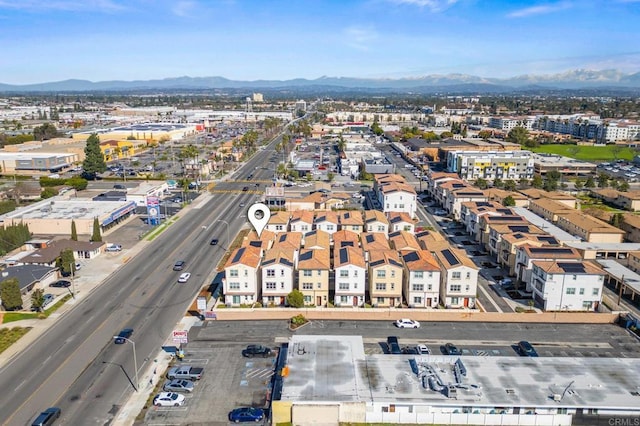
(355, 280)
(454, 290)
(240, 289)
(283, 279)
(566, 292)
(425, 288)
(399, 202)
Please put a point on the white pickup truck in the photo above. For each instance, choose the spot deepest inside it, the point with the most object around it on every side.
(113, 247)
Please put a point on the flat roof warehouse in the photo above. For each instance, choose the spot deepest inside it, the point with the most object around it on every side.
(333, 372)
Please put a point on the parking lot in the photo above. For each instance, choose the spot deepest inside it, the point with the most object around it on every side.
(230, 381)
(621, 169)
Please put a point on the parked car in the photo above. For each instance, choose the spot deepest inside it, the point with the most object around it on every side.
(423, 350)
(407, 323)
(187, 372)
(46, 300)
(409, 350)
(168, 399)
(393, 345)
(214, 242)
(47, 417)
(451, 349)
(123, 336)
(256, 350)
(179, 265)
(183, 278)
(526, 349)
(113, 247)
(119, 186)
(60, 284)
(178, 385)
(246, 414)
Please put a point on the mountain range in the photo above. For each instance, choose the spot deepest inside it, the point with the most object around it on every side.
(570, 80)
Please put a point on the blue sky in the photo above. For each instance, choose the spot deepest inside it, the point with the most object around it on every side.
(97, 40)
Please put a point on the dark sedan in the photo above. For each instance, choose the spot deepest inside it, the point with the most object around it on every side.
(246, 414)
(214, 242)
(451, 349)
(61, 284)
(123, 336)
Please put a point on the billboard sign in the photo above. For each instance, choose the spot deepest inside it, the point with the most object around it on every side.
(180, 336)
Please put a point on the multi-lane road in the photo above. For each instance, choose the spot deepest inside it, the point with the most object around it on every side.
(76, 366)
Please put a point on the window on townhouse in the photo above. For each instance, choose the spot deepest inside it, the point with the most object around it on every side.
(246, 284)
(468, 275)
(234, 286)
(270, 286)
(418, 274)
(401, 206)
(329, 227)
(282, 285)
(380, 228)
(430, 274)
(307, 299)
(344, 299)
(380, 300)
(393, 274)
(271, 272)
(571, 290)
(381, 286)
(466, 288)
(429, 287)
(393, 286)
(417, 287)
(307, 286)
(407, 228)
(455, 275)
(343, 286)
(246, 273)
(455, 288)
(595, 291)
(307, 272)
(417, 300)
(319, 272)
(233, 272)
(344, 273)
(282, 272)
(319, 286)
(581, 291)
(304, 228)
(355, 273)
(279, 227)
(455, 301)
(381, 274)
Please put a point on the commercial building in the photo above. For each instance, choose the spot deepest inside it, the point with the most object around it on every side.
(505, 165)
(332, 378)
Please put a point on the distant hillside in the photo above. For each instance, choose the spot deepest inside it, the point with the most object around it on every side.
(571, 80)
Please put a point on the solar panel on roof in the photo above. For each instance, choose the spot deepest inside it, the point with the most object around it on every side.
(483, 204)
(572, 267)
(521, 228)
(285, 261)
(550, 250)
(505, 218)
(347, 244)
(451, 258)
(238, 255)
(550, 240)
(504, 211)
(344, 255)
(306, 255)
(370, 238)
(518, 236)
(255, 243)
(411, 257)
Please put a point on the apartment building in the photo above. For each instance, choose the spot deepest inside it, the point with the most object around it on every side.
(490, 165)
(401, 221)
(376, 221)
(242, 281)
(350, 276)
(498, 196)
(471, 211)
(398, 197)
(589, 228)
(528, 253)
(351, 221)
(421, 283)
(550, 209)
(385, 278)
(313, 276)
(301, 221)
(497, 231)
(486, 221)
(455, 199)
(458, 279)
(567, 286)
(509, 243)
(278, 276)
(509, 123)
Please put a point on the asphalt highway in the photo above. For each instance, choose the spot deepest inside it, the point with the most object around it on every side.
(76, 366)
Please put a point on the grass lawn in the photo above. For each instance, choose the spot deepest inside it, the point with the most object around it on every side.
(18, 316)
(8, 336)
(587, 153)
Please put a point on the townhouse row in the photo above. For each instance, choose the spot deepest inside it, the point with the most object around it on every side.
(351, 269)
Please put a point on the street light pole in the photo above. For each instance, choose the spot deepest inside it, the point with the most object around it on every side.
(226, 223)
(72, 267)
(135, 361)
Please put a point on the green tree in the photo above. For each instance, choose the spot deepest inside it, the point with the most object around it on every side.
(616, 220)
(77, 183)
(485, 134)
(590, 183)
(508, 201)
(94, 160)
(295, 299)
(537, 182)
(579, 184)
(510, 185)
(376, 129)
(37, 299)
(74, 231)
(498, 183)
(550, 185)
(10, 294)
(481, 183)
(330, 176)
(603, 180)
(67, 262)
(518, 135)
(96, 236)
(44, 132)
(446, 134)
(524, 183)
(623, 186)
(48, 193)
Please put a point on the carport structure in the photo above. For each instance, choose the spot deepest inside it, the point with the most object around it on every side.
(624, 280)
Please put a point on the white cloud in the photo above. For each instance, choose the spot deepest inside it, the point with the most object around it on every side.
(360, 38)
(64, 5)
(434, 5)
(539, 10)
(185, 8)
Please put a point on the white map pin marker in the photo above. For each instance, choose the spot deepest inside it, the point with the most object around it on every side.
(259, 215)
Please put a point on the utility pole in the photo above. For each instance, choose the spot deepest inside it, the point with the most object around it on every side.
(620, 292)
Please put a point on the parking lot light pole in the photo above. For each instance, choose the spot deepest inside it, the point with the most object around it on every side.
(135, 361)
(73, 275)
(226, 223)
